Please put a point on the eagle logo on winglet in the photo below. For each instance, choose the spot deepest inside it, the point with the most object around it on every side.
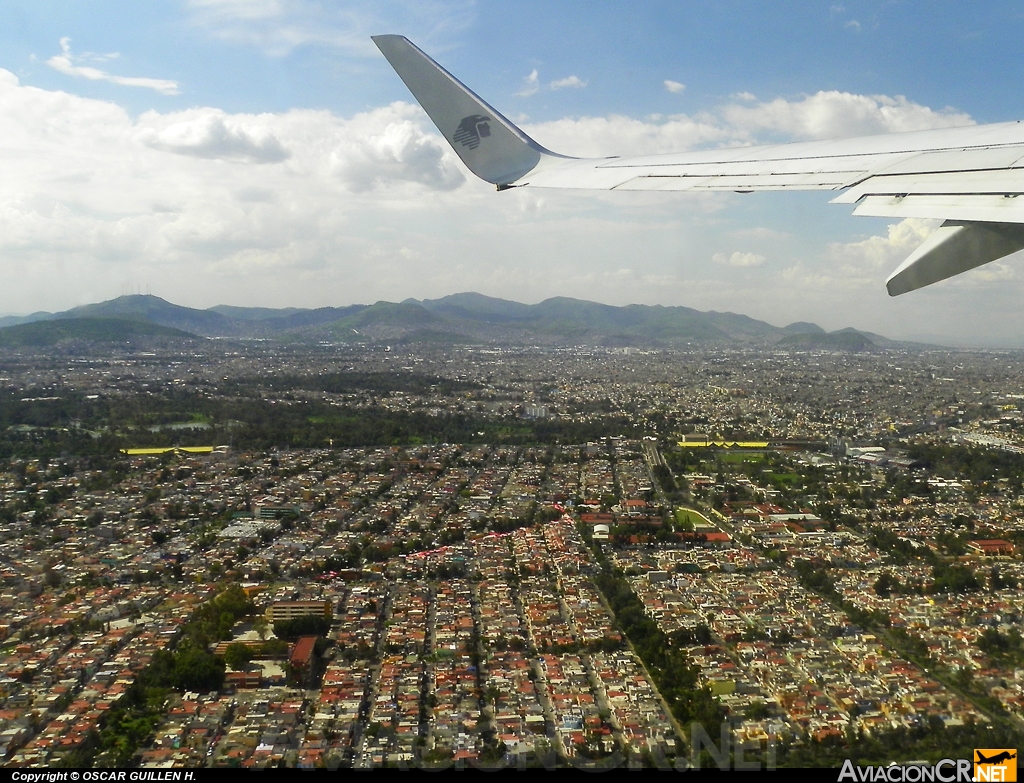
(471, 130)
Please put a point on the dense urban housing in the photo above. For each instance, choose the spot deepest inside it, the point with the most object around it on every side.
(259, 554)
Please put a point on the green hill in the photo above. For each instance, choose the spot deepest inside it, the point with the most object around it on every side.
(468, 318)
(154, 310)
(46, 333)
(802, 327)
(847, 341)
(477, 307)
(576, 320)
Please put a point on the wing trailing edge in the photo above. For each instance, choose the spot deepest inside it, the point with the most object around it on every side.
(969, 177)
(954, 248)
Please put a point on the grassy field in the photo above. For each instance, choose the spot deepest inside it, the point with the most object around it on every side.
(784, 478)
(741, 457)
(687, 518)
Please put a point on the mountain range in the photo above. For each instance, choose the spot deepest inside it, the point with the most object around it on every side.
(460, 318)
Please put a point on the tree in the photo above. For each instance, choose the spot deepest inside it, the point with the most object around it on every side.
(1008, 648)
(997, 582)
(262, 627)
(198, 670)
(237, 655)
(954, 579)
(310, 625)
(759, 710)
(887, 584)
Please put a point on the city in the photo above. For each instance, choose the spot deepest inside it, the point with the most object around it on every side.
(345, 424)
(260, 554)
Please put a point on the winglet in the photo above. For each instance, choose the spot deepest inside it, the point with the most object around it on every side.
(955, 247)
(491, 147)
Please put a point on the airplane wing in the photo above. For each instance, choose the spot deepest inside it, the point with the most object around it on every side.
(970, 177)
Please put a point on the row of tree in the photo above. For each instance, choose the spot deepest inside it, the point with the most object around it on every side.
(75, 425)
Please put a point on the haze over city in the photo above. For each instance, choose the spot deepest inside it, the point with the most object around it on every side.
(262, 153)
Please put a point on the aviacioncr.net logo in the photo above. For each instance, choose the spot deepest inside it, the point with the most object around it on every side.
(944, 771)
(995, 764)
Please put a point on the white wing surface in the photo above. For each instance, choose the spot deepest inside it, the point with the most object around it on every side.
(968, 177)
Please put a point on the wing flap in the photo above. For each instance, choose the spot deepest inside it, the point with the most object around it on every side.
(664, 182)
(847, 164)
(1000, 182)
(940, 161)
(792, 174)
(583, 176)
(952, 249)
(979, 208)
(960, 171)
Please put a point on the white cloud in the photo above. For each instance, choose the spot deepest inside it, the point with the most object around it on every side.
(761, 233)
(864, 263)
(280, 26)
(309, 208)
(852, 24)
(739, 259)
(210, 133)
(674, 87)
(833, 114)
(91, 198)
(879, 253)
(743, 96)
(820, 116)
(385, 147)
(618, 135)
(65, 63)
(574, 82)
(531, 84)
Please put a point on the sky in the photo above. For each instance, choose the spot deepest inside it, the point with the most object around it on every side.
(263, 153)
